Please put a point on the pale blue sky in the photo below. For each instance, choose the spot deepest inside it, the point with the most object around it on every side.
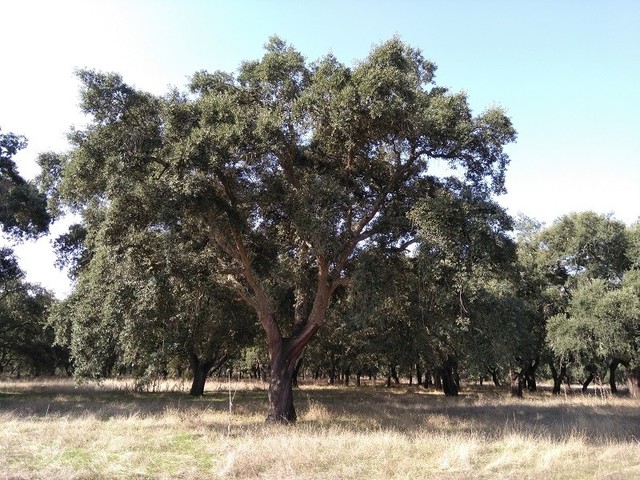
(567, 72)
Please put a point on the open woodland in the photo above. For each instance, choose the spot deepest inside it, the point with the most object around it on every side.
(53, 429)
(296, 226)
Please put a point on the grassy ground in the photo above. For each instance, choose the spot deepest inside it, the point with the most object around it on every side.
(51, 429)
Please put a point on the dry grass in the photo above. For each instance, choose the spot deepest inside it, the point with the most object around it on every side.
(52, 429)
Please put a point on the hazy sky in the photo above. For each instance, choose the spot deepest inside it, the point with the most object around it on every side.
(567, 72)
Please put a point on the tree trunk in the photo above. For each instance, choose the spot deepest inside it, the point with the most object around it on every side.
(613, 366)
(516, 382)
(332, 374)
(418, 374)
(428, 379)
(557, 378)
(450, 384)
(612, 372)
(587, 382)
(437, 379)
(296, 370)
(394, 374)
(200, 371)
(591, 371)
(495, 377)
(530, 375)
(347, 374)
(281, 409)
(633, 382)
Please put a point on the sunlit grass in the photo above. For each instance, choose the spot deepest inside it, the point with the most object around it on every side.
(53, 429)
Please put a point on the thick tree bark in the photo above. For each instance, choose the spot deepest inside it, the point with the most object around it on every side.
(308, 316)
(200, 371)
(296, 371)
(281, 409)
(283, 354)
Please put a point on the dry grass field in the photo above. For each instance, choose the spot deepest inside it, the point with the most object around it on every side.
(52, 429)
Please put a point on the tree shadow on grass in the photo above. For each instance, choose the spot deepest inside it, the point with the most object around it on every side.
(411, 411)
(596, 421)
(105, 405)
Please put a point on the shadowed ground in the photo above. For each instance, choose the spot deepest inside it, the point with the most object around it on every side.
(483, 410)
(52, 429)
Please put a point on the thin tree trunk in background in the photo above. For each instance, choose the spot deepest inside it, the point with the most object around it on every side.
(394, 374)
(633, 382)
(557, 379)
(495, 377)
(613, 366)
(591, 375)
(529, 376)
(450, 383)
(516, 382)
(437, 379)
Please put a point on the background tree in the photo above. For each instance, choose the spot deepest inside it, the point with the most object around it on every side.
(22, 207)
(145, 304)
(465, 251)
(25, 341)
(602, 325)
(288, 172)
(588, 254)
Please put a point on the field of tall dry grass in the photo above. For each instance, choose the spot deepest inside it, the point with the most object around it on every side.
(52, 429)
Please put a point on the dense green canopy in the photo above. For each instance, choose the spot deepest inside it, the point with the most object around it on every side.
(276, 180)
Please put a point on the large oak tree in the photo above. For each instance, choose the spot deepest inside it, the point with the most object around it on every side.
(283, 174)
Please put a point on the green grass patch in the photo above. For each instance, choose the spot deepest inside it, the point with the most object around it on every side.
(76, 458)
